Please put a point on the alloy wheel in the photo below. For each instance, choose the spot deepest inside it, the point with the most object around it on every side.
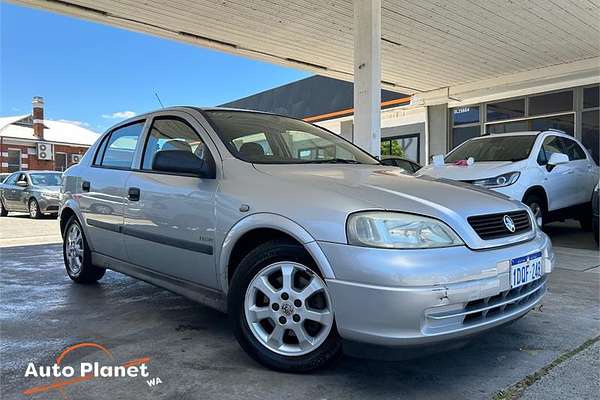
(288, 309)
(74, 249)
(537, 211)
(33, 209)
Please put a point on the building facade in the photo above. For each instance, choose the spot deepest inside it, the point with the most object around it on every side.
(418, 132)
(29, 142)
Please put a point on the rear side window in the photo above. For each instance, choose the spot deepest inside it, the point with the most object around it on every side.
(118, 149)
(171, 133)
(573, 149)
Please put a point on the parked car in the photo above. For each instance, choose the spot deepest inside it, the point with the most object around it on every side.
(549, 171)
(404, 163)
(302, 253)
(596, 215)
(36, 192)
(3, 176)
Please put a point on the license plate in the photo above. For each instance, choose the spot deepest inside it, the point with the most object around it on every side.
(525, 269)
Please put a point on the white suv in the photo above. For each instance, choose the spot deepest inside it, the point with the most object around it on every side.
(549, 171)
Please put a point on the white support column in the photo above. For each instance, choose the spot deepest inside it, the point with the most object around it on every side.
(367, 75)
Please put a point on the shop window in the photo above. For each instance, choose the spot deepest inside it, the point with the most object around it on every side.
(406, 146)
(463, 134)
(590, 132)
(551, 103)
(509, 109)
(60, 161)
(13, 160)
(506, 127)
(591, 97)
(465, 115)
(565, 123)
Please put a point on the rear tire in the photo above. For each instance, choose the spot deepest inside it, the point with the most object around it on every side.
(34, 209)
(272, 339)
(3, 211)
(77, 255)
(538, 207)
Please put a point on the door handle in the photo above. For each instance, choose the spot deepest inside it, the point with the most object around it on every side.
(133, 194)
(85, 186)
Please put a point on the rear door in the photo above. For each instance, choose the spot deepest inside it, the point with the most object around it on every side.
(103, 194)
(170, 221)
(582, 171)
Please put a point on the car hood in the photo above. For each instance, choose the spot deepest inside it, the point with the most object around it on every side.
(388, 188)
(47, 188)
(479, 170)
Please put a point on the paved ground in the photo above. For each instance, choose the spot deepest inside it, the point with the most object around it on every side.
(194, 354)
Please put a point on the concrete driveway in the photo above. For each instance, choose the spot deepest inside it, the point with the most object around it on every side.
(551, 353)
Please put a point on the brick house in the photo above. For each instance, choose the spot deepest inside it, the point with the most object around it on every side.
(28, 142)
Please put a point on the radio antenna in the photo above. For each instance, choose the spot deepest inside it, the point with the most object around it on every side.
(159, 101)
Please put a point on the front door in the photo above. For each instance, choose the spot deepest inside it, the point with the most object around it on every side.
(170, 218)
(559, 181)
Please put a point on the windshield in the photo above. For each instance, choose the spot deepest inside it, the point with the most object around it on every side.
(46, 179)
(271, 139)
(494, 148)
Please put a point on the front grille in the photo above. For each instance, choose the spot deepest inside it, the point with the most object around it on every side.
(493, 307)
(492, 226)
(504, 302)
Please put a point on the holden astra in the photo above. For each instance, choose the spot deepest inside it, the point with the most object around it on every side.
(305, 240)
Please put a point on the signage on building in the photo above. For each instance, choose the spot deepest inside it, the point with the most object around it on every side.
(44, 151)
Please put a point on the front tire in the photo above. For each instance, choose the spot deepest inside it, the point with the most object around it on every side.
(77, 255)
(586, 218)
(3, 211)
(34, 209)
(538, 208)
(280, 309)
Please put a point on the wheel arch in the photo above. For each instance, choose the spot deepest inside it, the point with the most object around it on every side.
(67, 211)
(537, 190)
(255, 229)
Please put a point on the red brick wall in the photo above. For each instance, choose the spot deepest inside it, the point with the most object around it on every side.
(32, 161)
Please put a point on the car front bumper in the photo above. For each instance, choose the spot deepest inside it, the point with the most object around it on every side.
(413, 297)
(48, 204)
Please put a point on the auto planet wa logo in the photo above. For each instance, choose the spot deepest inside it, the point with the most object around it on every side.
(65, 375)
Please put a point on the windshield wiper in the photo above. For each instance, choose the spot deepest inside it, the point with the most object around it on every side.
(332, 161)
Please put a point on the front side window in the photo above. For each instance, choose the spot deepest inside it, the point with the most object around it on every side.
(272, 139)
(494, 148)
(551, 145)
(45, 179)
(12, 179)
(117, 151)
(169, 133)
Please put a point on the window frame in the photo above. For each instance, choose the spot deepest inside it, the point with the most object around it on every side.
(147, 133)
(173, 115)
(103, 144)
(20, 159)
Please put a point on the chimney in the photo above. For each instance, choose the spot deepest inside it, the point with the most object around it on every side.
(38, 117)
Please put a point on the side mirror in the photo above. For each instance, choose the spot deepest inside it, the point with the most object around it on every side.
(557, 159)
(22, 183)
(184, 162)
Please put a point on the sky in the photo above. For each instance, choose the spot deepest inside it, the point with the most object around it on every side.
(96, 75)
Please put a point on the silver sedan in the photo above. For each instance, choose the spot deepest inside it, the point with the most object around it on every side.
(305, 240)
(35, 192)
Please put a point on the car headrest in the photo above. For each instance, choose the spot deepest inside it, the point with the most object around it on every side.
(175, 144)
(251, 150)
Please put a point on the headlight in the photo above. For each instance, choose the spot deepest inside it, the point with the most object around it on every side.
(393, 230)
(50, 195)
(498, 181)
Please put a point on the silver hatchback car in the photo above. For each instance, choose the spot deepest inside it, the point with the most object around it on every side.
(306, 241)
